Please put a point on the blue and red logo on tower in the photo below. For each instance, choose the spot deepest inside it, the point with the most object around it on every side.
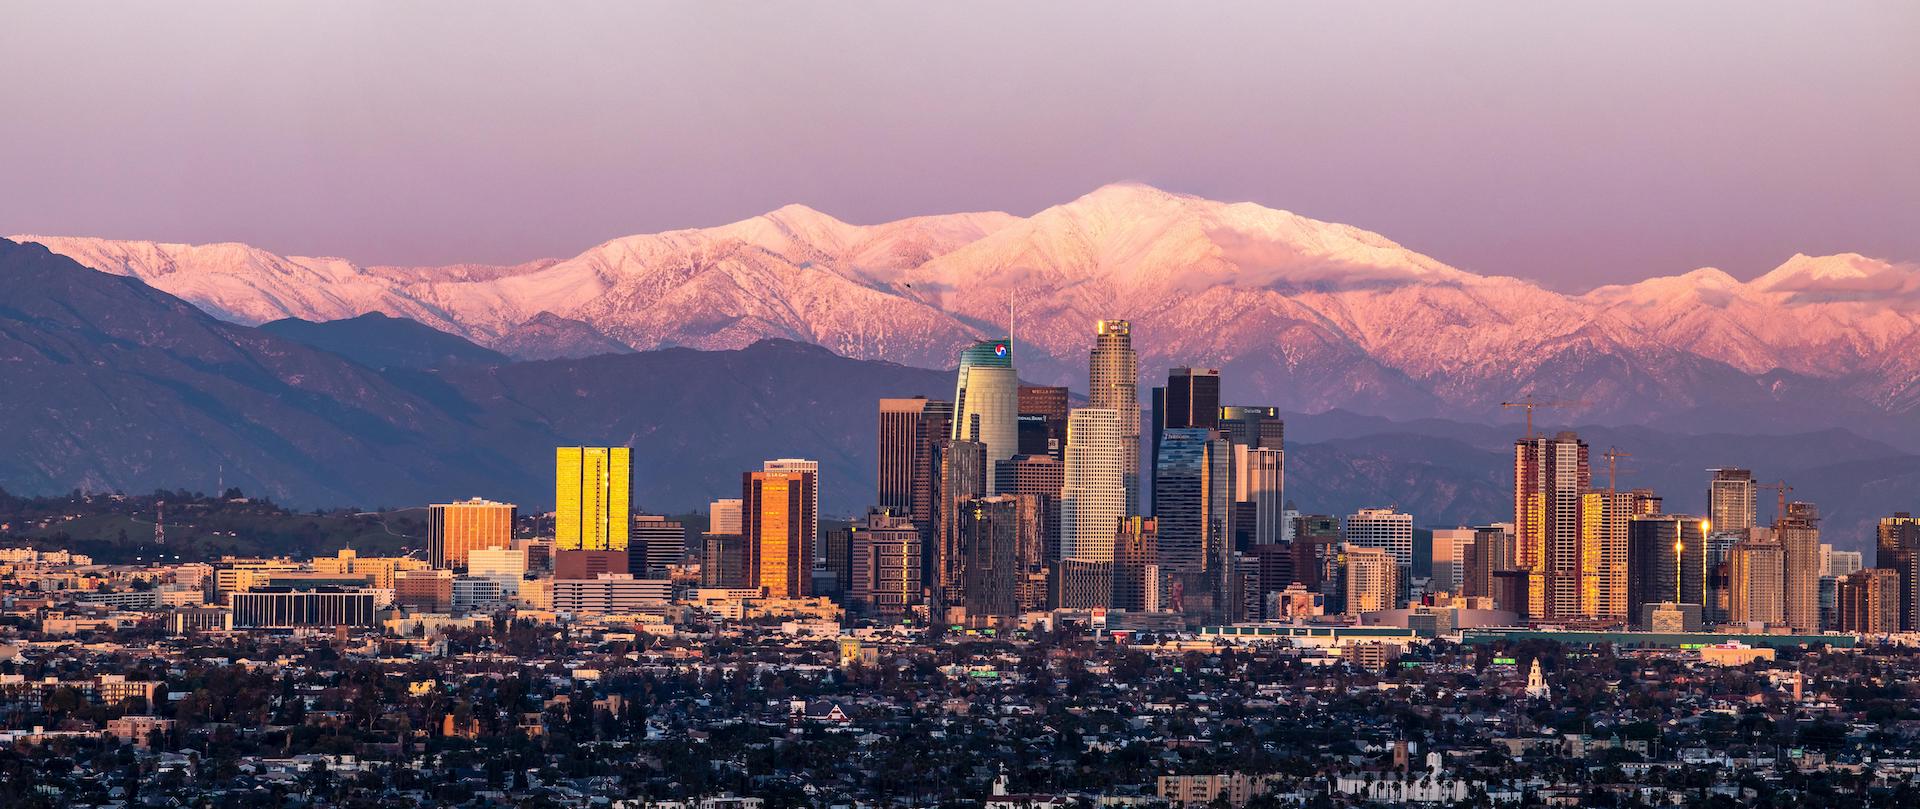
(999, 349)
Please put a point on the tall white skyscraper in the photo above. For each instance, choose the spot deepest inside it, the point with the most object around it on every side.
(812, 532)
(1115, 385)
(986, 402)
(1385, 529)
(1093, 498)
(1262, 476)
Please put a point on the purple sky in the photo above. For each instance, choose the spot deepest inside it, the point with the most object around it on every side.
(1574, 144)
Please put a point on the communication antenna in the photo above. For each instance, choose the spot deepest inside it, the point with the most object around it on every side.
(1009, 325)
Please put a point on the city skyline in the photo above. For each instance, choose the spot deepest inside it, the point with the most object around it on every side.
(1043, 542)
(666, 405)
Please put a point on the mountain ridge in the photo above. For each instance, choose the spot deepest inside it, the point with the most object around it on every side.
(1320, 315)
(380, 341)
(113, 385)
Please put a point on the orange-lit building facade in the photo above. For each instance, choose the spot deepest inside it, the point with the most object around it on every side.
(456, 529)
(776, 509)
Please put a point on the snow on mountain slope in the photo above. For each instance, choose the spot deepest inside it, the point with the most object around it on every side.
(1823, 316)
(242, 283)
(1307, 314)
(793, 273)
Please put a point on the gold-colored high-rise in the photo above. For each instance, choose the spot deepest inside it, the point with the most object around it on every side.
(593, 498)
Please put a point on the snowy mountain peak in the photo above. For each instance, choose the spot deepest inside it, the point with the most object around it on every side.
(1707, 285)
(1131, 195)
(1310, 314)
(1711, 278)
(1841, 277)
(806, 224)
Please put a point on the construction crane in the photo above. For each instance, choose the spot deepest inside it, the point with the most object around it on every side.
(1613, 456)
(1528, 403)
(1780, 509)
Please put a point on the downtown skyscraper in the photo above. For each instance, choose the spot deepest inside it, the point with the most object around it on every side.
(1191, 398)
(776, 510)
(1043, 420)
(908, 428)
(1897, 548)
(723, 560)
(1798, 531)
(1093, 490)
(1667, 562)
(1732, 501)
(593, 498)
(1551, 512)
(960, 471)
(1383, 528)
(1868, 601)
(1193, 501)
(1114, 371)
(1258, 427)
(1757, 583)
(1607, 569)
(812, 528)
(885, 567)
(997, 533)
(1369, 579)
(1136, 565)
(986, 401)
(1258, 437)
(912, 431)
(1039, 477)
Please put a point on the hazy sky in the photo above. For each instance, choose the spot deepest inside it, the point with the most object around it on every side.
(1576, 144)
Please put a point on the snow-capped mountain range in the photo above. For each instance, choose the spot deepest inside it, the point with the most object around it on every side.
(1305, 314)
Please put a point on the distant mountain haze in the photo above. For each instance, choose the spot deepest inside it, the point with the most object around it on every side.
(1303, 314)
